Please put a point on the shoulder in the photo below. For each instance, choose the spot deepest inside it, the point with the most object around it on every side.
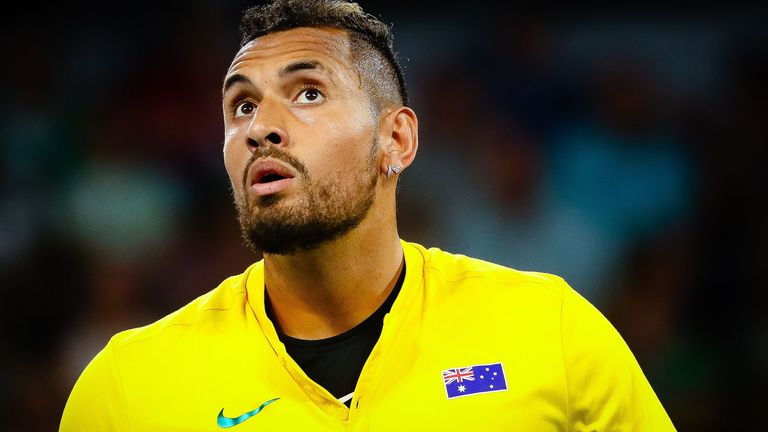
(134, 361)
(458, 272)
(228, 297)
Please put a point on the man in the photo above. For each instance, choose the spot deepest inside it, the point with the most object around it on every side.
(343, 325)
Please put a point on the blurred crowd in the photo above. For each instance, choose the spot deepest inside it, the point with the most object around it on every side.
(621, 149)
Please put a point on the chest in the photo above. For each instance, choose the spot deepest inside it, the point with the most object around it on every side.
(460, 387)
(444, 378)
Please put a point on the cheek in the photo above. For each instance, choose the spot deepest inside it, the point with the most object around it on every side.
(233, 160)
(341, 153)
(349, 140)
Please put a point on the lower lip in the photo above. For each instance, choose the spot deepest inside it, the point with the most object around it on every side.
(262, 189)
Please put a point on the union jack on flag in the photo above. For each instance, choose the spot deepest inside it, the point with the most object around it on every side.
(474, 379)
(458, 375)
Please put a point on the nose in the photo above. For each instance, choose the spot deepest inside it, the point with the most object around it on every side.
(265, 128)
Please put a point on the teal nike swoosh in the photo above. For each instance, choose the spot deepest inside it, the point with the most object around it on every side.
(226, 422)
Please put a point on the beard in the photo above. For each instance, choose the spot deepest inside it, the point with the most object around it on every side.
(322, 211)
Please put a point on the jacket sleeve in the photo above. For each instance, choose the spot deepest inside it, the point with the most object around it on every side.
(97, 402)
(607, 390)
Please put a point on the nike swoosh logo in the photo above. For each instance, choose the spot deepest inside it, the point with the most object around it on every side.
(227, 422)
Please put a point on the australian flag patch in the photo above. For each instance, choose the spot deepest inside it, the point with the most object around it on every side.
(475, 379)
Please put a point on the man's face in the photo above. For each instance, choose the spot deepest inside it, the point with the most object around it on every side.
(300, 140)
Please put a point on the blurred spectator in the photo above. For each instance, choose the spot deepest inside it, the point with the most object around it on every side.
(620, 166)
(729, 308)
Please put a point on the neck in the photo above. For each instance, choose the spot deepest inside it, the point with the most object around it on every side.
(331, 288)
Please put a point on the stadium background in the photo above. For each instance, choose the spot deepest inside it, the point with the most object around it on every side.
(623, 148)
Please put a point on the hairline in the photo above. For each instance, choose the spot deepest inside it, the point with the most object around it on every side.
(358, 43)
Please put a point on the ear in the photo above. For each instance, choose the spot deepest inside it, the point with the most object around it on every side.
(400, 138)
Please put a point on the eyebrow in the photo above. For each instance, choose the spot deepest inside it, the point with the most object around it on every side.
(234, 79)
(287, 70)
(300, 66)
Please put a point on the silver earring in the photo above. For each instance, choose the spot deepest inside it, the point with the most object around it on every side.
(390, 169)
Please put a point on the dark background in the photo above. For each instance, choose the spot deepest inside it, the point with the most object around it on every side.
(623, 148)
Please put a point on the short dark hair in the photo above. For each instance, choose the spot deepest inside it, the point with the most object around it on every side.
(372, 43)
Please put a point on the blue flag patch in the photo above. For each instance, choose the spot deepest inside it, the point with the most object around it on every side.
(475, 379)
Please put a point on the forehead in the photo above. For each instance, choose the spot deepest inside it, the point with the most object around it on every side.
(328, 45)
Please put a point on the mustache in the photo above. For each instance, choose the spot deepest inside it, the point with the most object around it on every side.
(275, 153)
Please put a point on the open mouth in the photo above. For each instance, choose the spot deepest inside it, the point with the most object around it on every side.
(270, 177)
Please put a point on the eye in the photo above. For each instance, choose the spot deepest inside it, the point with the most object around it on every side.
(310, 95)
(244, 108)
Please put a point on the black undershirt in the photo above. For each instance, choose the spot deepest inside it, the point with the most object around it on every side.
(336, 362)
